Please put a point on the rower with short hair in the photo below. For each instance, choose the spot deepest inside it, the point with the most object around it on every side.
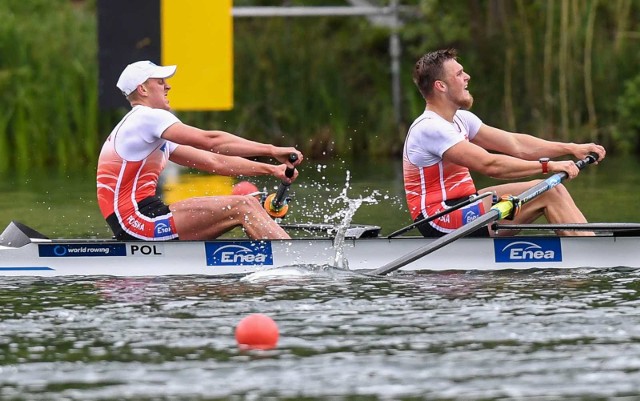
(138, 148)
(447, 141)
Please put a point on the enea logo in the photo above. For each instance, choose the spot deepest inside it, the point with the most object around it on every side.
(226, 253)
(527, 250)
(70, 250)
(470, 213)
(162, 228)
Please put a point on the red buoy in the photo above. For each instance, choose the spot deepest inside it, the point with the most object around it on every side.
(244, 188)
(257, 331)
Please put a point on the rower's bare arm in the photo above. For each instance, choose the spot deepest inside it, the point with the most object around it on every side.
(475, 158)
(224, 143)
(221, 164)
(528, 147)
(518, 145)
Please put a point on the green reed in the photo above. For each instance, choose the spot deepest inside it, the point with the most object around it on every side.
(324, 83)
(48, 77)
(320, 83)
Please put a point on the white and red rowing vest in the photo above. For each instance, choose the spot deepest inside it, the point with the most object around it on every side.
(129, 166)
(429, 181)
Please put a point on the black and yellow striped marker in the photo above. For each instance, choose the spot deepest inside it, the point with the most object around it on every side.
(195, 35)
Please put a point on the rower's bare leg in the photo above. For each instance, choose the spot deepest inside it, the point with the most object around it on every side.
(211, 216)
(556, 205)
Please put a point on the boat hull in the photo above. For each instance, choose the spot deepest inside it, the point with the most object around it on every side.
(240, 257)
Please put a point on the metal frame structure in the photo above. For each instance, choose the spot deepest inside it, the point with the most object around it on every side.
(384, 16)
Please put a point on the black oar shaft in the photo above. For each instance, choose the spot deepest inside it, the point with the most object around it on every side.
(606, 227)
(499, 211)
(281, 194)
(552, 181)
(487, 218)
(468, 201)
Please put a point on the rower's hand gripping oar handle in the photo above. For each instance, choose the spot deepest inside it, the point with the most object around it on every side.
(591, 158)
(509, 206)
(276, 204)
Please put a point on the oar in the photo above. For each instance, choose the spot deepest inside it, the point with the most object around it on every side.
(499, 211)
(468, 201)
(598, 227)
(276, 203)
(353, 231)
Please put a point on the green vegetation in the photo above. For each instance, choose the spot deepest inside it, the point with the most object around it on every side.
(565, 70)
(48, 84)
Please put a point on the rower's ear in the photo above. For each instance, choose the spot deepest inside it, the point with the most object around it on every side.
(440, 85)
(141, 89)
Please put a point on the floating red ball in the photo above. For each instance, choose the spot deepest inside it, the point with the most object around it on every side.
(257, 331)
(244, 188)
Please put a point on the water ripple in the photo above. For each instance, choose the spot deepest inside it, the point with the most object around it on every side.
(455, 335)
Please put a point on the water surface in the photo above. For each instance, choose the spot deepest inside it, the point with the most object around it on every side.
(452, 335)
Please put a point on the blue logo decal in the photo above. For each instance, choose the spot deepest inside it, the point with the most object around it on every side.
(70, 250)
(509, 250)
(244, 253)
(470, 213)
(162, 228)
(553, 180)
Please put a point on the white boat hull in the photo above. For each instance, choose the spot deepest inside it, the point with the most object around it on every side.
(45, 258)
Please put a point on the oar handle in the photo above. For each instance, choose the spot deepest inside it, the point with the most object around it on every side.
(510, 205)
(276, 204)
(591, 158)
(281, 193)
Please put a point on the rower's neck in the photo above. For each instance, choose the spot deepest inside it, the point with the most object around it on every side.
(137, 103)
(446, 113)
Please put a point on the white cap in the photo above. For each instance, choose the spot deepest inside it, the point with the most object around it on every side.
(137, 73)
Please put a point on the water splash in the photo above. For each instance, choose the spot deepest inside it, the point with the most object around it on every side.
(339, 223)
(346, 215)
(302, 272)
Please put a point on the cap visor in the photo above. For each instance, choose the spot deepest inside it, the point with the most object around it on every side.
(164, 72)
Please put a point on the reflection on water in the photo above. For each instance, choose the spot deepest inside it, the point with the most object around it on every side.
(466, 335)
